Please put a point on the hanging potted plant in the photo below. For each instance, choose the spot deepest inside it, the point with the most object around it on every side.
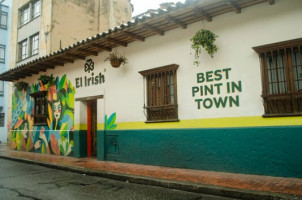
(116, 60)
(21, 86)
(203, 39)
(46, 79)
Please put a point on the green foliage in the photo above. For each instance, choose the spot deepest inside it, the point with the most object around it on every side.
(203, 39)
(114, 56)
(46, 79)
(21, 85)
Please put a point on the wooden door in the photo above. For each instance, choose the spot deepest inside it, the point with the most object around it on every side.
(91, 127)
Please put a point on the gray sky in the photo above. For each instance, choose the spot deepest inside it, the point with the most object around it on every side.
(141, 6)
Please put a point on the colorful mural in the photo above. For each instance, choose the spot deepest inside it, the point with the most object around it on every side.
(110, 123)
(57, 136)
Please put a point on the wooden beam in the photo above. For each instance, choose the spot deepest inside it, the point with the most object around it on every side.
(152, 28)
(101, 47)
(49, 64)
(117, 42)
(235, 6)
(32, 71)
(202, 14)
(134, 36)
(24, 73)
(76, 56)
(54, 62)
(17, 76)
(8, 79)
(271, 2)
(65, 59)
(41, 68)
(176, 21)
(89, 52)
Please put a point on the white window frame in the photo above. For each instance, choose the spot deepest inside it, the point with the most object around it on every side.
(2, 53)
(3, 20)
(24, 15)
(36, 9)
(23, 50)
(2, 119)
(34, 44)
(1, 88)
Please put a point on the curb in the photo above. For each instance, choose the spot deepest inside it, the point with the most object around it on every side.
(184, 186)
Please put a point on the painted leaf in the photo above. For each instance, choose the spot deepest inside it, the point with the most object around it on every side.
(18, 124)
(106, 124)
(62, 82)
(111, 121)
(61, 149)
(70, 100)
(29, 144)
(49, 114)
(113, 127)
(54, 145)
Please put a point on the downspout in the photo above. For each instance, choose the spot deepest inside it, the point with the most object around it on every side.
(99, 10)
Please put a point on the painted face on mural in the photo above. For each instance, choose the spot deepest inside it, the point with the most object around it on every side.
(57, 109)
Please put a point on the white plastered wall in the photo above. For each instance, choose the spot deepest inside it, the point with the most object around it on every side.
(238, 33)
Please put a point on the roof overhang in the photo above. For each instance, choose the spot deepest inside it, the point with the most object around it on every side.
(138, 29)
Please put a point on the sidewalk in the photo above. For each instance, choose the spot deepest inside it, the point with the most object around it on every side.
(239, 186)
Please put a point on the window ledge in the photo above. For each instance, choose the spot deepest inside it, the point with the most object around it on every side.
(40, 124)
(40, 93)
(282, 115)
(160, 121)
(22, 25)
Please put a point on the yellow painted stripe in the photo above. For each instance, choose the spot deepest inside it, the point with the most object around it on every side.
(229, 122)
(80, 127)
(215, 123)
(100, 126)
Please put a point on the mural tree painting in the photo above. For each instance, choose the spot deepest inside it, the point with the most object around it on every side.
(57, 136)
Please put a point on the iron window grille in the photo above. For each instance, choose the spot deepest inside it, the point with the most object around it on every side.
(161, 87)
(281, 67)
(40, 107)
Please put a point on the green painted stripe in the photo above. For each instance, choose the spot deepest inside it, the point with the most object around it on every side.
(273, 151)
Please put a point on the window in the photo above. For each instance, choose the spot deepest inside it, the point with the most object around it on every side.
(24, 15)
(30, 12)
(161, 94)
(36, 9)
(23, 50)
(34, 42)
(2, 53)
(2, 119)
(1, 88)
(29, 47)
(3, 19)
(281, 66)
(40, 107)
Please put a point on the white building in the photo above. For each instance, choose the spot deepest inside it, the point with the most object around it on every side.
(239, 111)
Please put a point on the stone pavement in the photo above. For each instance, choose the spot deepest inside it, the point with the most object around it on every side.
(232, 185)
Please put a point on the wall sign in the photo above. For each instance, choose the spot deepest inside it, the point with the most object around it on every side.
(90, 79)
(209, 85)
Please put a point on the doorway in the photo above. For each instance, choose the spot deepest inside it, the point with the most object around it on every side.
(91, 127)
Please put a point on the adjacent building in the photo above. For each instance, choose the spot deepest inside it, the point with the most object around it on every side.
(5, 21)
(40, 27)
(238, 111)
